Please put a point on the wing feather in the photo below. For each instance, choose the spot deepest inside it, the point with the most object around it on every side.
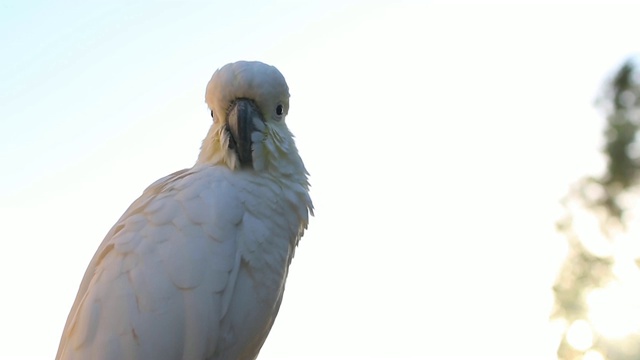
(157, 282)
(194, 269)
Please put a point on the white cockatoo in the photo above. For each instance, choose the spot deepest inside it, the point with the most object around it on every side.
(195, 268)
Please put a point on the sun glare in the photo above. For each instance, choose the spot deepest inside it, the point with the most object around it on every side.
(614, 310)
(580, 336)
(592, 355)
(587, 227)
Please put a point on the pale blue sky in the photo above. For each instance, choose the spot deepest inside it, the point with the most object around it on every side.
(439, 139)
(76, 52)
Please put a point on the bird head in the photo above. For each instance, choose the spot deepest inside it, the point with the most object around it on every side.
(249, 102)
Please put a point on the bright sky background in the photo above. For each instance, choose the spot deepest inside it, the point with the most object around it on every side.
(439, 140)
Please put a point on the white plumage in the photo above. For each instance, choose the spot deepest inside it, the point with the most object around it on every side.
(195, 268)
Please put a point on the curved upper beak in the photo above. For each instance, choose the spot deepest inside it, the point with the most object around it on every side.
(243, 119)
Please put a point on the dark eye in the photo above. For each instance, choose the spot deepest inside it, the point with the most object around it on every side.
(211, 113)
(279, 110)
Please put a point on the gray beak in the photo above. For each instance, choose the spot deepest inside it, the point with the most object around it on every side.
(241, 122)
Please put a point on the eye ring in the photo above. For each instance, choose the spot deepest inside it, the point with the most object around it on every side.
(279, 110)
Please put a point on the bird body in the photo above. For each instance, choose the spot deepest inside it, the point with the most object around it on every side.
(195, 268)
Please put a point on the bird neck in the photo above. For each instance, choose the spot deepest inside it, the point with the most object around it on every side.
(276, 156)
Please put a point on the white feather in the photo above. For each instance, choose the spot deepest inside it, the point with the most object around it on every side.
(195, 268)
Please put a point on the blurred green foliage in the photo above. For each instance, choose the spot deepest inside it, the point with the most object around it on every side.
(604, 196)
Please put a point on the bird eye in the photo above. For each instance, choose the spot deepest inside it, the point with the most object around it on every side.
(279, 110)
(211, 113)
